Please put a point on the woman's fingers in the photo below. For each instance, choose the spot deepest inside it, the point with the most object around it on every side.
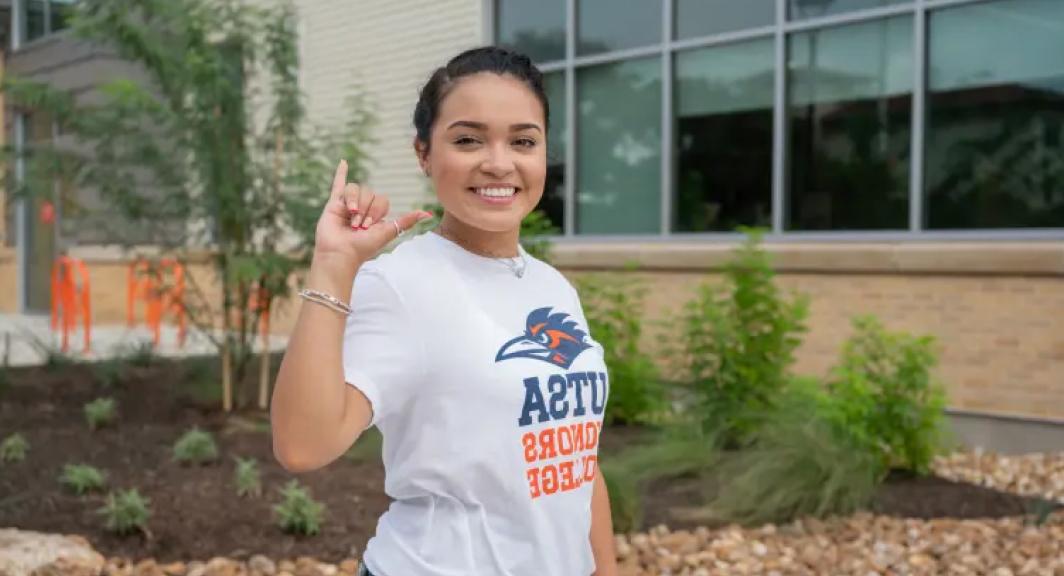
(339, 179)
(385, 231)
(376, 211)
(352, 192)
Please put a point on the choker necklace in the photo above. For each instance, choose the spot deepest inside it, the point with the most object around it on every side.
(517, 264)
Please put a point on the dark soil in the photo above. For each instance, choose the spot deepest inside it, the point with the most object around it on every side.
(196, 513)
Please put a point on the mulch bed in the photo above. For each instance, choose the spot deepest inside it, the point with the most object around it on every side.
(195, 511)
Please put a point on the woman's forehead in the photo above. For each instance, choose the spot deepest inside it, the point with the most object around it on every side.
(491, 99)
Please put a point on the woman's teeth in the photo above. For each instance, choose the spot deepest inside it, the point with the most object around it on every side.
(496, 192)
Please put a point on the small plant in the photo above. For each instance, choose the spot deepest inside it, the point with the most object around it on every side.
(298, 513)
(195, 447)
(884, 393)
(108, 373)
(99, 412)
(14, 448)
(738, 342)
(126, 511)
(248, 481)
(612, 311)
(799, 463)
(140, 354)
(82, 478)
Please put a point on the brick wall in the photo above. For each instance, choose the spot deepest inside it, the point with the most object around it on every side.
(1000, 334)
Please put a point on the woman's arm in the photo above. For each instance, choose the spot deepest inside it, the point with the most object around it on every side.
(602, 529)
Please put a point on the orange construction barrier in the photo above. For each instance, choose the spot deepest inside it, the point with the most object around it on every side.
(70, 298)
(146, 281)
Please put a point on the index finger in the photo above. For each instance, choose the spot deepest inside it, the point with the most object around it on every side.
(339, 179)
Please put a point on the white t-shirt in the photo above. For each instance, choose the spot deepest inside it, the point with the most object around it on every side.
(489, 394)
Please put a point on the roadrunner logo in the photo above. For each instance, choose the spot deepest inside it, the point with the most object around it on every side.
(548, 337)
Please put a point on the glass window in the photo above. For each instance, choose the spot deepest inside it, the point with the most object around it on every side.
(535, 28)
(32, 19)
(805, 9)
(619, 148)
(59, 11)
(553, 202)
(995, 128)
(849, 115)
(724, 137)
(606, 25)
(695, 18)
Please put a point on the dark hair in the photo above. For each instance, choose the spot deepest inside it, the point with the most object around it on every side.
(485, 59)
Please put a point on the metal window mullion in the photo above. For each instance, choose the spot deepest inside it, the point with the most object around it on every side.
(779, 119)
(47, 17)
(16, 24)
(569, 225)
(667, 164)
(919, 101)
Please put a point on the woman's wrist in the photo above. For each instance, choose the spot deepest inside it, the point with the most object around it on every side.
(333, 274)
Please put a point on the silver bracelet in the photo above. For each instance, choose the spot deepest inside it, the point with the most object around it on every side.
(326, 300)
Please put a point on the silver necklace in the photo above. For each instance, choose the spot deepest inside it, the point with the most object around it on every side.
(517, 264)
(512, 264)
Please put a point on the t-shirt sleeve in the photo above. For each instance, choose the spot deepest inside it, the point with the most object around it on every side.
(382, 352)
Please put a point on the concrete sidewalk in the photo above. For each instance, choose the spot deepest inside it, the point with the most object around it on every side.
(26, 339)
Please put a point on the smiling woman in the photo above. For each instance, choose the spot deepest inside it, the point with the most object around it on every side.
(458, 346)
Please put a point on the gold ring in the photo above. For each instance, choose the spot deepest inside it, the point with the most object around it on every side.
(398, 231)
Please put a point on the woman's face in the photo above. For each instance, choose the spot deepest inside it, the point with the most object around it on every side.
(488, 155)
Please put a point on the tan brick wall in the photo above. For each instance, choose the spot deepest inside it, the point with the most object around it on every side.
(1000, 336)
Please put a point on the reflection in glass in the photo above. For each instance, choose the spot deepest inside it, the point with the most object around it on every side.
(619, 148)
(995, 127)
(804, 9)
(606, 25)
(535, 28)
(32, 19)
(724, 137)
(695, 18)
(60, 13)
(849, 126)
(553, 202)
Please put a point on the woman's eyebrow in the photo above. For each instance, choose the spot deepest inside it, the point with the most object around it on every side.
(483, 126)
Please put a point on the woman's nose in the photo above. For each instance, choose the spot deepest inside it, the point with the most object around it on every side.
(498, 161)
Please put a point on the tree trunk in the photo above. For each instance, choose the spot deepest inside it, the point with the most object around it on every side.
(227, 372)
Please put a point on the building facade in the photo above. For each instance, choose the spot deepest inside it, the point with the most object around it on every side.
(905, 156)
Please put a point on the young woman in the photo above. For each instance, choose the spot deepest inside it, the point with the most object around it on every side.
(470, 356)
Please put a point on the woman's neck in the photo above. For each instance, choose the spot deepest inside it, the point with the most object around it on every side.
(479, 242)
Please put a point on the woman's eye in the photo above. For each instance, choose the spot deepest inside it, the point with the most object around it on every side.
(465, 141)
(525, 142)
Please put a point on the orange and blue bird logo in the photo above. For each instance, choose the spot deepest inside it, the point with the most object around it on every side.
(550, 337)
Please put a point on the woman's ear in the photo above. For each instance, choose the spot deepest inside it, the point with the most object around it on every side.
(421, 150)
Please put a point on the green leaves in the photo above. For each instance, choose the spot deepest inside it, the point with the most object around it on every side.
(738, 342)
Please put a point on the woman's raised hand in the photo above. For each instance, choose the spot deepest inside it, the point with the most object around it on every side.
(354, 226)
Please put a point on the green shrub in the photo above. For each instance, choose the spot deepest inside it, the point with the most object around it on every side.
(799, 463)
(126, 511)
(140, 354)
(14, 448)
(884, 394)
(248, 481)
(611, 305)
(108, 373)
(99, 412)
(82, 478)
(738, 342)
(195, 447)
(298, 513)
